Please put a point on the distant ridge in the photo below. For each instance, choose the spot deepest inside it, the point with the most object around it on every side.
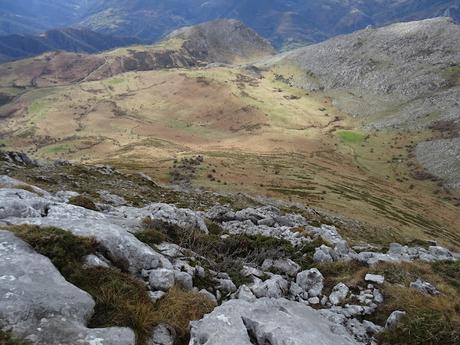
(287, 24)
(14, 47)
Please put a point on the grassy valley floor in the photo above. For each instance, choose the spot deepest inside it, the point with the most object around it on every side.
(257, 134)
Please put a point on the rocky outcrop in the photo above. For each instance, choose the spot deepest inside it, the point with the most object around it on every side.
(22, 207)
(37, 304)
(274, 321)
(386, 66)
(273, 304)
(165, 213)
(425, 287)
(266, 221)
(441, 158)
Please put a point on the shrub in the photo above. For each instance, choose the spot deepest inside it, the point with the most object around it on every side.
(84, 202)
(64, 249)
(151, 236)
(8, 339)
(221, 254)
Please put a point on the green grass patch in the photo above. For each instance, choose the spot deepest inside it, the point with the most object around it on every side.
(116, 81)
(449, 270)
(58, 148)
(452, 75)
(429, 320)
(351, 137)
(37, 110)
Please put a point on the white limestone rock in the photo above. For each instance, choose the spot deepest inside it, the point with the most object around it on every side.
(278, 321)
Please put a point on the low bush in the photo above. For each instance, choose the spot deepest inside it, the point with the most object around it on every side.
(63, 248)
(223, 254)
(84, 202)
(8, 339)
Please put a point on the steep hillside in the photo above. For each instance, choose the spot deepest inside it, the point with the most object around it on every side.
(403, 77)
(14, 47)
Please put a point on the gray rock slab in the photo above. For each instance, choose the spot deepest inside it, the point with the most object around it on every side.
(38, 305)
(269, 321)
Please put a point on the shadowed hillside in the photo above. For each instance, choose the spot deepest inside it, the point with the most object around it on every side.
(286, 24)
(15, 47)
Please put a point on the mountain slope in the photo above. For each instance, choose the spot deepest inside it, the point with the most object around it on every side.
(15, 47)
(283, 22)
(186, 48)
(25, 16)
(399, 63)
(404, 76)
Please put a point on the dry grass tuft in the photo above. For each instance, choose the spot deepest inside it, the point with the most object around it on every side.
(179, 307)
(429, 320)
(350, 273)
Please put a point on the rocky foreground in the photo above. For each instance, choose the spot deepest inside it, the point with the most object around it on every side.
(266, 296)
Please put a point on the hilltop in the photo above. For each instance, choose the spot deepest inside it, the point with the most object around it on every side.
(227, 41)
